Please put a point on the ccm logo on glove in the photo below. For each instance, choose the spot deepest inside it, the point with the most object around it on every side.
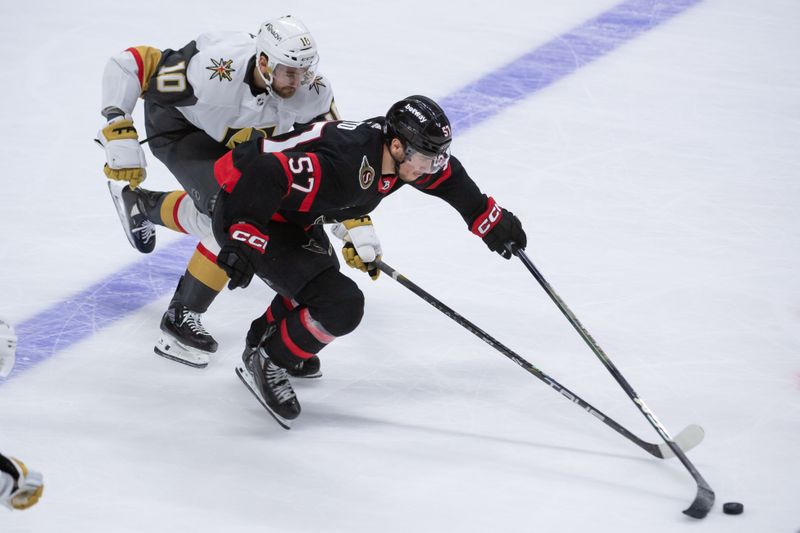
(487, 220)
(249, 234)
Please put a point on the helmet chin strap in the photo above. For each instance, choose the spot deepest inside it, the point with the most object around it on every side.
(267, 81)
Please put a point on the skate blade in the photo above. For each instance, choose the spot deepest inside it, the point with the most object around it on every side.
(116, 195)
(247, 379)
(315, 375)
(168, 347)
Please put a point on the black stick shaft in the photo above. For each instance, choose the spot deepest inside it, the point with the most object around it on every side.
(497, 345)
(705, 496)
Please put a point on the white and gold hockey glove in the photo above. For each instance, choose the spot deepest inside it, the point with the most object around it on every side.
(362, 247)
(124, 155)
(20, 488)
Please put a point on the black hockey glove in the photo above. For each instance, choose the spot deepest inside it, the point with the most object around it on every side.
(240, 255)
(498, 226)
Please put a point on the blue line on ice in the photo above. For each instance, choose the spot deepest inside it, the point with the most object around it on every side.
(122, 293)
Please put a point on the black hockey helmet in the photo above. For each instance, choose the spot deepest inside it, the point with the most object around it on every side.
(420, 124)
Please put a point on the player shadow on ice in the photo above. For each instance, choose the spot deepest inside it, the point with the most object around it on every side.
(320, 416)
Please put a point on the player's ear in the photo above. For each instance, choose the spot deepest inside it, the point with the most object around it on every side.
(397, 147)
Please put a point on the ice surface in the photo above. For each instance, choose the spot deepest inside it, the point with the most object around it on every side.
(659, 187)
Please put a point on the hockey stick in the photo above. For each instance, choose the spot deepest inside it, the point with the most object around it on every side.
(687, 439)
(705, 495)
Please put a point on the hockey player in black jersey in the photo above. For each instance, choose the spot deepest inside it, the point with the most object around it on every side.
(277, 193)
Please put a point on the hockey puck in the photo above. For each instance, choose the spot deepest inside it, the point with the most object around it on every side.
(732, 508)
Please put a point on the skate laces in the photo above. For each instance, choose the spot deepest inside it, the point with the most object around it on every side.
(147, 230)
(277, 380)
(192, 319)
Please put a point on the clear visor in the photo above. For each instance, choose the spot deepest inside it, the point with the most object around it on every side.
(293, 75)
(426, 164)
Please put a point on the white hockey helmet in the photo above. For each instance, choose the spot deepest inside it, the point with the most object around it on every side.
(287, 41)
(8, 348)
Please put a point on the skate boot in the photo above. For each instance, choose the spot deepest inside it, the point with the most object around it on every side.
(183, 337)
(308, 369)
(270, 384)
(132, 210)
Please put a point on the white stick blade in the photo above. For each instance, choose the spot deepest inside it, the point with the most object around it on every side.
(691, 436)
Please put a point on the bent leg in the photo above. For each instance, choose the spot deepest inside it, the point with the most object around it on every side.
(329, 306)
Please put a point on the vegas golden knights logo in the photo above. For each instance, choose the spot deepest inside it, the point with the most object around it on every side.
(221, 69)
(366, 174)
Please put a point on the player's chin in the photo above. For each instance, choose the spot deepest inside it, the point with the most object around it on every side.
(410, 177)
(286, 92)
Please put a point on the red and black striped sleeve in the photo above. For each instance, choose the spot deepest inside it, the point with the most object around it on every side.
(453, 185)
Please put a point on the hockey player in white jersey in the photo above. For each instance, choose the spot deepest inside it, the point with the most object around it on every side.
(20, 488)
(8, 348)
(200, 101)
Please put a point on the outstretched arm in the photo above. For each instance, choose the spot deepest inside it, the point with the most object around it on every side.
(484, 217)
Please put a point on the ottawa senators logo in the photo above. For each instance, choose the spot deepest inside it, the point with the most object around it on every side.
(366, 174)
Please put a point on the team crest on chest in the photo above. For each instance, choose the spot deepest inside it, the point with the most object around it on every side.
(366, 174)
(221, 69)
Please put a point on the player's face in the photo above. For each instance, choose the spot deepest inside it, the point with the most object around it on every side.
(416, 164)
(286, 80)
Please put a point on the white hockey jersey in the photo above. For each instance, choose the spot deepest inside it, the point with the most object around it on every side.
(209, 81)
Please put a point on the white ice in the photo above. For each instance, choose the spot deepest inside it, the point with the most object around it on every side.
(659, 187)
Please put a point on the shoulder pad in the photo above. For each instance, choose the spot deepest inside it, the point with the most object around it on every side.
(218, 70)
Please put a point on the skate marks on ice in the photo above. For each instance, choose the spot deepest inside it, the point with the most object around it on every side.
(100, 305)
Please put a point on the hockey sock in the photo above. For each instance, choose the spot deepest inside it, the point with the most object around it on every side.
(298, 337)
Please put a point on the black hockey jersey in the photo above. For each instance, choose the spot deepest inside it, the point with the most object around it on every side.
(326, 172)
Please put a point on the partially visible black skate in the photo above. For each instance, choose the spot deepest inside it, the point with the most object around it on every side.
(270, 384)
(309, 368)
(184, 338)
(132, 210)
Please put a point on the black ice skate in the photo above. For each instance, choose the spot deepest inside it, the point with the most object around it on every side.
(270, 385)
(131, 208)
(310, 368)
(184, 339)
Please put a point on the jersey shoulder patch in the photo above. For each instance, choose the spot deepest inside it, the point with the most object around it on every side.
(311, 100)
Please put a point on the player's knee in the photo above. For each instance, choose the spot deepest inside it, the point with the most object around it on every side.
(348, 311)
(344, 310)
(335, 301)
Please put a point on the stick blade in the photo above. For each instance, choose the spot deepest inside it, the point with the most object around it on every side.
(691, 436)
(703, 503)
